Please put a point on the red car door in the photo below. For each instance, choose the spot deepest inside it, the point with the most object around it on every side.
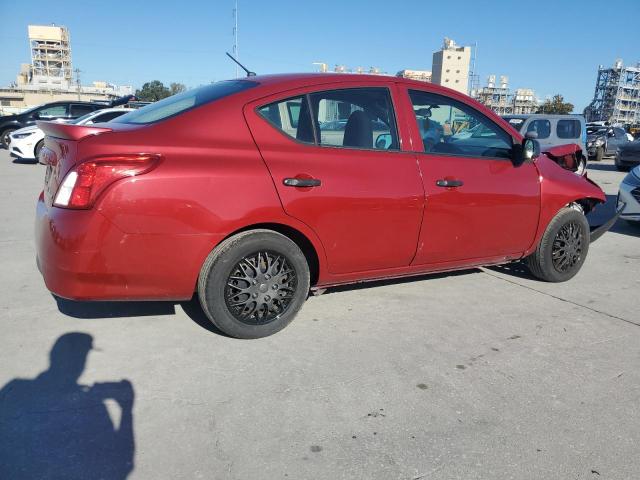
(478, 204)
(335, 158)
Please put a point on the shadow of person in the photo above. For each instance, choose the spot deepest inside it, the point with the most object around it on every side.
(53, 427)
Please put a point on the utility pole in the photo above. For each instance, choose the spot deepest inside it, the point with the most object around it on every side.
(235, 34)
(77, 72)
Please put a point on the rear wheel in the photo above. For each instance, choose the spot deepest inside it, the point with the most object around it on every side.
(253, 284)
(4, 137)
(563, 247)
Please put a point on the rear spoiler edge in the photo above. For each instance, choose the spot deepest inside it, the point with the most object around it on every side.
(68, 131)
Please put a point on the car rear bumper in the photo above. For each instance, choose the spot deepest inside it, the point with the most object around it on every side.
(82, 255)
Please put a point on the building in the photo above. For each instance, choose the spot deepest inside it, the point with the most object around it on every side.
(421, 75)
(499, 97)
(524, 101)
(617, 95)
(49, 76)
(451, 66)
(50, 57)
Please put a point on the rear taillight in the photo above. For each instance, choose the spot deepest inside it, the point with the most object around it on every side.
(84, 183)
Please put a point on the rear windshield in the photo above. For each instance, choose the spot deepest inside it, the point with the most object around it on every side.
(182, 102)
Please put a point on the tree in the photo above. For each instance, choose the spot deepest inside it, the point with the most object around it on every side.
(153, 91)
(556, 105)
(176, 88)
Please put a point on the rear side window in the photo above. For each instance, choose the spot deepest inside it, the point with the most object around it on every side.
(292, 117)
(80, 110)
(182, 102)
(361, 118)
(541, 127)
(568, 129)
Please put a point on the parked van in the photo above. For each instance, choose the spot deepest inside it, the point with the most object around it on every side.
(552, 130)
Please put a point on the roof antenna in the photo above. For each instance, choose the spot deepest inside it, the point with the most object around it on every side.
(249, 72)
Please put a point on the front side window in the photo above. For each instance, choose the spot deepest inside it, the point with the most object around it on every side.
(292, 117)
(568, 129)
(450, 127)
(541, 127)
(361, 118)
(55, 111)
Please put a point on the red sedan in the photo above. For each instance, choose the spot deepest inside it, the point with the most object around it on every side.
(253, 192)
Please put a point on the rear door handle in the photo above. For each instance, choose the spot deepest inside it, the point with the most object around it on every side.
(301, 182)
(449, 183)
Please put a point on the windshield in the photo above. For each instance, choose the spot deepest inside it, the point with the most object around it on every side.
(515, 122)
(598, 130)
(182, 102)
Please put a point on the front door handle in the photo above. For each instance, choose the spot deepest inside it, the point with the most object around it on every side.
(449, 183)
(301, 182)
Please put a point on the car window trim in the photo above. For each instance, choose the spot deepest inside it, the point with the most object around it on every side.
(423, 152)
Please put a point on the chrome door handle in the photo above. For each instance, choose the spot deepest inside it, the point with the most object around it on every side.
(449, 183)
(301, 182)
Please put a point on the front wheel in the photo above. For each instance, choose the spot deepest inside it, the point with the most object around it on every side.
(253, 284)
(4, 137)
(563, 247)
(599, 154)
(36, 151)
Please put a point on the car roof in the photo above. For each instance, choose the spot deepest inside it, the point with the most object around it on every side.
(294, 80)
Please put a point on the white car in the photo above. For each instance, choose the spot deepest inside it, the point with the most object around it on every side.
(25, 143)
(629, 195)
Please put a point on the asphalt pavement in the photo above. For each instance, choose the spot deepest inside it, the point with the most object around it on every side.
(481, 374)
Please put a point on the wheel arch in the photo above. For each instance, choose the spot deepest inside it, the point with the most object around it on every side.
(585, 203)
(308, 247)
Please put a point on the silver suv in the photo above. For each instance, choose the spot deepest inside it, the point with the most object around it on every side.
(552, 130)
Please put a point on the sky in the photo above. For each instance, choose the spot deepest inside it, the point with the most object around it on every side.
(546, 45)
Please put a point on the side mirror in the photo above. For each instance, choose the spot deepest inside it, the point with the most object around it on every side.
(527, 151)
(383, 141)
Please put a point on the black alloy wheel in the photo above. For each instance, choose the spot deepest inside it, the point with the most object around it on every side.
(567, 247)
(563, 247)
(260, 288)
(254, 283)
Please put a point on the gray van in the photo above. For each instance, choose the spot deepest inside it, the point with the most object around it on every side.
(552, 130)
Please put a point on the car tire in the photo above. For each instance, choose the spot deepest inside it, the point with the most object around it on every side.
(619, 167)
(599, 154)
(36, 151)
(4, 137)
(254, 283)
(563, 247)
